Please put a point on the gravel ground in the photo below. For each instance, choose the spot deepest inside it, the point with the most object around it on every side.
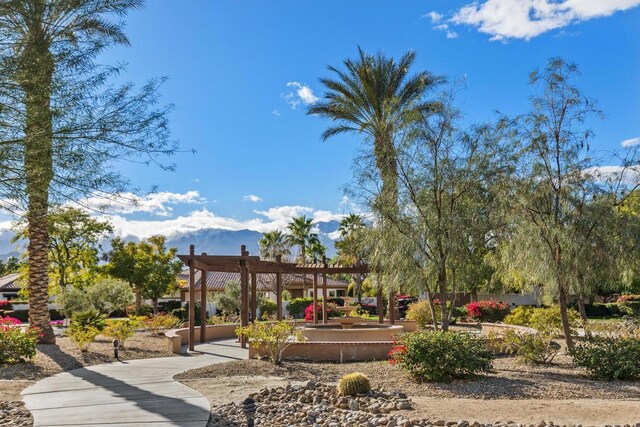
(64, 356)
(511, 379)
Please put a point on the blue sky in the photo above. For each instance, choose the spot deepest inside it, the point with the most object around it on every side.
(229, 63)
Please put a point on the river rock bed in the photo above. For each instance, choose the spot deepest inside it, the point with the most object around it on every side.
(14, 414)
(319, 405)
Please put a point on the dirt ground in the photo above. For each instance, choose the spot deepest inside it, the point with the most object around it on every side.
(588, 412)
(64, 356)
(560, 393)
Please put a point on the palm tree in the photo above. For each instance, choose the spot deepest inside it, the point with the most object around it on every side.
(316, 250)
(300, 235)
(273, 244)
(374, 96)
(351, 247)
(45, 36)
(350, 223)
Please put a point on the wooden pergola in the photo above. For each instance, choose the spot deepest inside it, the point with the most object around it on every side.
(249, 267)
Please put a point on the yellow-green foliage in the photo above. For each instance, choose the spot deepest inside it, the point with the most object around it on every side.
(82, 336)
(421, 313)
(121, 330)
(520, 315)
(352, 384)
(274, 337)
(160, 323)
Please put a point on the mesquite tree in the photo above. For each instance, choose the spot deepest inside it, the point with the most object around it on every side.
(63, 120)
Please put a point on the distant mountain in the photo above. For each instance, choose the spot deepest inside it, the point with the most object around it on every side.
(228, 242)
(212, 241)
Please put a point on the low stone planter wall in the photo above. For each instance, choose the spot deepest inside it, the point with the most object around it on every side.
(382, 333)
(176, 338)
(325, 351)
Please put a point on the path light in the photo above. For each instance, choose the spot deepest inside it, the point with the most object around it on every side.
(116, 344)
(249, 409)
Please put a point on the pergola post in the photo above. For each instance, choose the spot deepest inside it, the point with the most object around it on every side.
(203, 305)
(315, 298)
(380, 304)
(392, 307)
(254, 297)
(278, 291)
(192, 300)
(324, 297)
(244, 294)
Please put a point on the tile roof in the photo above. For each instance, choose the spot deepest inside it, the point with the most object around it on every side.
(216, 280)
(10, 282)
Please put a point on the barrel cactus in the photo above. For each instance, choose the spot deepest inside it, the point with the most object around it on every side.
(352, 384)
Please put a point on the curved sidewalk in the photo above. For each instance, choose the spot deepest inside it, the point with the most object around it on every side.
(129, 393)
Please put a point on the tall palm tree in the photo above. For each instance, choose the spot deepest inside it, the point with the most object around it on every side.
(273, 244)
(316, 250)
(300, 234)
(375, 96)
(350, 223)
(43, 37)
(351, 248)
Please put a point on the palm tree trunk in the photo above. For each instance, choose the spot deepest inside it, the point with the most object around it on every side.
(36, 77)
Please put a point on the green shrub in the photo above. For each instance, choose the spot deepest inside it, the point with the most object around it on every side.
(352, 384)
(420, 311)
(520, 315)
(441, 356)
(603, 310)
(609, 358)
(274, 337)
(297, 306)
(121, 330)
(89, 318)
(530, 348)
(106, 295)
(549, 321)
(268, 308)
(17, 345)
(169, 306)
(82, 336)
(228, 302)
(630, 308)
(160, 323)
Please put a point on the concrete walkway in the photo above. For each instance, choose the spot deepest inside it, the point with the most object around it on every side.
(128, 393)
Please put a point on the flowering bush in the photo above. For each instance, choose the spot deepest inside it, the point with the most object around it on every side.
(57, 323)
(331, 311)
(487, 311)
(5, 305)
(9, 321)
(441, 356)
(82, 336)
(628, 298)
(16, 345)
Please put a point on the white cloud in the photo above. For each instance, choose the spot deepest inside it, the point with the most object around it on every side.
(445, 27)
(631, 142)
(433, 15)
(276, 113)
(268, 220)
(526, 19)
(251, 198)
(615, 174)
(303, 95)
(160, 204)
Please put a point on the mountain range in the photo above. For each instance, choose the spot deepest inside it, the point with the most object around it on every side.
(213, 241)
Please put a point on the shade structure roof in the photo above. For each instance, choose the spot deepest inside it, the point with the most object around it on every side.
(217, 280)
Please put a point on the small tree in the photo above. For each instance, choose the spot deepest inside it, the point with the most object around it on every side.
(229, 301)
(105, 295)
(148, 266)
(274, 337)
